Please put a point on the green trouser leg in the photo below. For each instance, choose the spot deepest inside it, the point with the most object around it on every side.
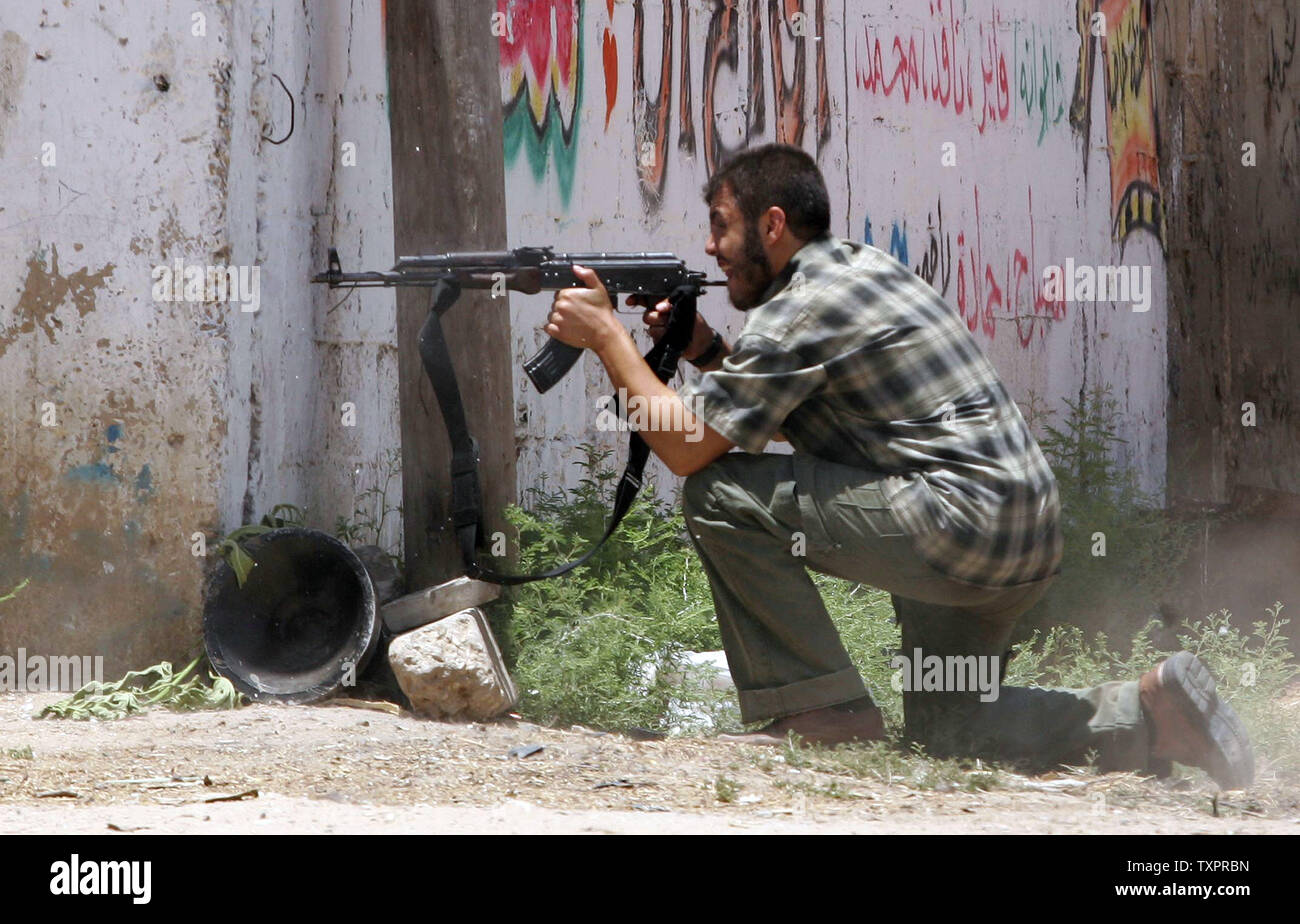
(1032, 726)
(760, 522)
(784, 653)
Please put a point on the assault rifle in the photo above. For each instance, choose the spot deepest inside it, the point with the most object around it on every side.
(530, 270)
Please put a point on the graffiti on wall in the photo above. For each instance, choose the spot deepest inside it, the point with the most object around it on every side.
(987, 286)
(609, 63)
(777, 40)
(787, 23)
(541, 85)
(959, 66)
(754, 68)
(650, 117)
(1125, 51)
(944, 71)
(965, 68)
(1040, 78)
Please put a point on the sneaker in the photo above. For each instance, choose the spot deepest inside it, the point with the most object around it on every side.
(1191, 725)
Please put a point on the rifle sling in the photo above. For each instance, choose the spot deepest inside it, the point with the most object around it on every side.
(466, 490)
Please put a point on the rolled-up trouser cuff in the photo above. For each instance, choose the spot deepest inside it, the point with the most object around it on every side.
(1121, 729)
(814, 693)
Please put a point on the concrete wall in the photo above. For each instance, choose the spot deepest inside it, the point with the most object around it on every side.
(1231, 105)
(616, 113)
(130, 137)
(311, 351)
(128, 141)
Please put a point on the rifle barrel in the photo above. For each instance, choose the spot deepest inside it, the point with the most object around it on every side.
(631, 273)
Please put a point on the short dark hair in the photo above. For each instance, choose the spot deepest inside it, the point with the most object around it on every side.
(780, 175)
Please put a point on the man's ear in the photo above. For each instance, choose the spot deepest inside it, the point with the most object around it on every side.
(775, 224)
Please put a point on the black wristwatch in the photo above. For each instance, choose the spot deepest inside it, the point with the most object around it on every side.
(710, 353)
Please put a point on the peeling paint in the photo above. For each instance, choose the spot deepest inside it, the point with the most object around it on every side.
(44, 291)
(171, 235)
(154, 418)
(96, 473)
(144, 484)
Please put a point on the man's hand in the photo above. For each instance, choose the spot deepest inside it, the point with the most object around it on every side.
(684, 449)
(583, 317)
(656, 322)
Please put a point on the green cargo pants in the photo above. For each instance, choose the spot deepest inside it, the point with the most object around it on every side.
(750, 517)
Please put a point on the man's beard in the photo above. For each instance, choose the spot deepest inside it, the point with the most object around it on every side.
(752, 274)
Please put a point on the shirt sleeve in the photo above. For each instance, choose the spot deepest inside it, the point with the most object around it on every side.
(758, 386)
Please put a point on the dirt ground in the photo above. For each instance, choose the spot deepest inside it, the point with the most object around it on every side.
(341, 769)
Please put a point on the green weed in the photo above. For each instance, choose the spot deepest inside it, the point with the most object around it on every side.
(582, 646)
(373, 508)
(13, 593)
(231, 547)
(137, 691)
(892, 763)
(726, 789)
(1121, 550)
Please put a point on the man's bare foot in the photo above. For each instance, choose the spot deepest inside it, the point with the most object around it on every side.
(857, 721)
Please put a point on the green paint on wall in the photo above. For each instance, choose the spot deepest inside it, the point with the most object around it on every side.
(548, 143)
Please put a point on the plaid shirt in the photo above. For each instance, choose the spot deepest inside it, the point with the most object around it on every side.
(855, 360)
